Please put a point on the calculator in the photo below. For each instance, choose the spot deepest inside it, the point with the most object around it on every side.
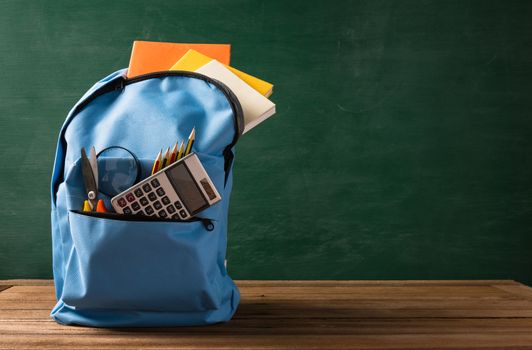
(179, 191)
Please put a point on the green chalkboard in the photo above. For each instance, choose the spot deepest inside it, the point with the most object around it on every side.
(401, 147)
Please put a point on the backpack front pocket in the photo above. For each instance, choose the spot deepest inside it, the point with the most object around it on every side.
(142, 265)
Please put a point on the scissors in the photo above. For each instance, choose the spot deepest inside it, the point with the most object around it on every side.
(89, 169)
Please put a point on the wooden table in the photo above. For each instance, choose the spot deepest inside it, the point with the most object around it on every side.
(303, 315)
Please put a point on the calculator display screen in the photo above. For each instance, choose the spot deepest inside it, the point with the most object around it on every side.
(186, 188)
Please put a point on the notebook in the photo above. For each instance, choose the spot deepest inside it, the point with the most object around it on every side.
(152, 56)
(256, 107)
(192, 60)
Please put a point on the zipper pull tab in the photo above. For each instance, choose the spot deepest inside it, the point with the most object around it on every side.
(209, 225)
(120, 84)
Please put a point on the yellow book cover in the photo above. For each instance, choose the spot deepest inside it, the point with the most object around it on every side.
(192, 60)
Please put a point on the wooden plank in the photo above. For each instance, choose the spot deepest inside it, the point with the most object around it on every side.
(140, 340)
(27, 282)
(295, 326)
(330, 293)
(297, 315)
(511, 302)
(302, 312)
(271, 310)
(316, 286)
(25, 314)
(385, 283)
(486, 293)
(333, 283)
(517, 290)
(4, 287)
(33, 293)
(373, 292)
(432, 292)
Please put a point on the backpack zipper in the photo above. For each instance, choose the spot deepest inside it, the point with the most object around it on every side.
(207, 223)
(121, 82)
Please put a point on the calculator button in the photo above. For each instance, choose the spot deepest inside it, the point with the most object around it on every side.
(146, 187)
(183, 214)
(165, 200)
(152, 196)
(135, 206)
(162, 213)
(122, 202)
(157, 205)
(130, 197)
(170, 209)
(178, 205)
(149, 210)
(138, 193)
(127, 210)
(160, 191)
(143, 201)
(175, 216)
(155, 183)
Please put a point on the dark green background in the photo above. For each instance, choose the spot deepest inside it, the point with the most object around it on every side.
(401, 147)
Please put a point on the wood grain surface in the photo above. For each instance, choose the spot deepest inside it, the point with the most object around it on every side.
(492, 314)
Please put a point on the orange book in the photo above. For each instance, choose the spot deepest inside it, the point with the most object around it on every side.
(153, 56)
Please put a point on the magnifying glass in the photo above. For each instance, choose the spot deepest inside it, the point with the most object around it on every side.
(118, 170)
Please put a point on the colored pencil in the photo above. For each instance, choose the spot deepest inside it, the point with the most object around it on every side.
(166, 158)
(157, 163)
(190, 142)
(181, 150)
(173, 155)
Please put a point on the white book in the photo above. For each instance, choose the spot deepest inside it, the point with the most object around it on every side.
(255, 106)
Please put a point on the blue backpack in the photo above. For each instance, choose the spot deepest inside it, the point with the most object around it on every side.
(112, 272)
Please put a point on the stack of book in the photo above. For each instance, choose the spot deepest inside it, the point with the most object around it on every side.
(211, 60)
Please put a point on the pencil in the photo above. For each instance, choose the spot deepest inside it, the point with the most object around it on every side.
(166, 158)
(173, 155)
(156, 163)
(181, 150)
(190, 142)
